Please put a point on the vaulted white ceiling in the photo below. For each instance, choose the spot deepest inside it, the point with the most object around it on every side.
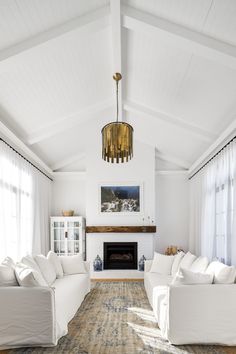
(177, 58)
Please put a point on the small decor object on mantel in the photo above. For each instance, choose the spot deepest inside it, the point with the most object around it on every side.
(67, 212)
(141, 263)
(97, 264)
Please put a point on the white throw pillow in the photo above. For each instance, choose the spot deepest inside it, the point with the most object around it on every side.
(162, 264)
(30, 263)
(73, 264)
(199, 265)
(46, 268)
(56, 263)
(187, 277)
(176, 263)
(8, 261)
(187, 260)
(7, 273)
(27, 276)
(223, 274)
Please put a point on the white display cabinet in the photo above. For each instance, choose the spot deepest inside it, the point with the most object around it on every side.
(68, 235)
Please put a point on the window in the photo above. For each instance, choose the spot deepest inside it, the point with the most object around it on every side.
(223, 221)
(16, 208)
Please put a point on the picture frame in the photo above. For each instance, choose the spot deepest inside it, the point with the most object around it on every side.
(120, 198)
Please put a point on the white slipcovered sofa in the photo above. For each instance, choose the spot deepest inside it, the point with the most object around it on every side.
(194, 302)
(37, 312)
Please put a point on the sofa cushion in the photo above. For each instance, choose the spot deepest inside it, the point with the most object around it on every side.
(162, 264)
(187, 260)
(199, 265)
(46, 268)
(176, 262)
(223, 274)
(28, 277)
(188, 277)
(56, 263)
(7, 273)
(30, 263)
(73, 264)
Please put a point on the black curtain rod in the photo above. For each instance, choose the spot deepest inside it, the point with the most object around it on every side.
(25, 159)
(213, 157)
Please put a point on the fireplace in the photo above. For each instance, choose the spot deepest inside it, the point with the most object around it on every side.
(120, 255)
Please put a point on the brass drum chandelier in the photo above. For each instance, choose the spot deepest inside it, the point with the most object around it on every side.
(117, 137)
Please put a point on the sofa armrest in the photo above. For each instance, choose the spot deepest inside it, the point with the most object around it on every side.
(201, 314)
(87, 266)
(147, 265)
(27, 316)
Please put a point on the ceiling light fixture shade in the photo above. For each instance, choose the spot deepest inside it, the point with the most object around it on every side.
(117, 137)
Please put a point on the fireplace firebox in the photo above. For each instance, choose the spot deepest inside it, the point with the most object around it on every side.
(120, 255)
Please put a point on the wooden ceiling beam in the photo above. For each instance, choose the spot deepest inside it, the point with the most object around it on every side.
(61, 125)
(7, 135)
(116, 46)
(173, 159)
(89, 23)
(67, 161)
(177, 121)
(180, 36)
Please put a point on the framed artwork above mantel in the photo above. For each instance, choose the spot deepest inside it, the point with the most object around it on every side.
(123, 198)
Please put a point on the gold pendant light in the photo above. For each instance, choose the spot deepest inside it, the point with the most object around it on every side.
(117, 137)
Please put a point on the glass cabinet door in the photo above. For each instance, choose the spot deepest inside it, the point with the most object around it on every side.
(73, 237)
(59, 236)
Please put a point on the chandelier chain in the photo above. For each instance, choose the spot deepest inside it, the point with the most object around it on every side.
(117, 101)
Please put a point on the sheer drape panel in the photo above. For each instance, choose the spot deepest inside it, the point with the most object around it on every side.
(24, 200)
(196, 195)
(42, 207)
(212, 208)
(208, 212)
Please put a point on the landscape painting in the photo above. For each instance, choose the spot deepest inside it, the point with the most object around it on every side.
(120, 199)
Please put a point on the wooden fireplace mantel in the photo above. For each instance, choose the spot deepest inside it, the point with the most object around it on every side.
(120, 229)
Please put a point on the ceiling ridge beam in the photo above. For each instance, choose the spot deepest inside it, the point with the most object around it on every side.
(89, 23)
(116, 46)
(67, 161)
(68, 122)
(177, 121)
(180, 36)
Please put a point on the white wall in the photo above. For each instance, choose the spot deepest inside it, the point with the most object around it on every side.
(141, 169)
(166, 195)
(69, 193)
(172, 210)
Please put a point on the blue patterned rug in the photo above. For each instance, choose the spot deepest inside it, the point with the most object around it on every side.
(116, 318)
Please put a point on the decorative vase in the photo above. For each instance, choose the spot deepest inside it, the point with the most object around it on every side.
(141, 263)
(97, 264)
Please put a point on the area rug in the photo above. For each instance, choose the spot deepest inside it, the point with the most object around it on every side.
(116, 318)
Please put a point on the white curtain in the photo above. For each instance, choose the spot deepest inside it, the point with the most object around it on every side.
(213, 208)
(25, 196)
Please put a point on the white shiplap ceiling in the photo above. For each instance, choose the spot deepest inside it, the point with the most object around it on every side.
(177, 57)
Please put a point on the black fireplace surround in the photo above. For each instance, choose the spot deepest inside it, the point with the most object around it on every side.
(120, 255)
